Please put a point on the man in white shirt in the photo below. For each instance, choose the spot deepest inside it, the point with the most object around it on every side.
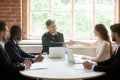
(112, 65)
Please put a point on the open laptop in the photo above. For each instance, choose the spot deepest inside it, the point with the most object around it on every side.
(57, 52)
(74, 58)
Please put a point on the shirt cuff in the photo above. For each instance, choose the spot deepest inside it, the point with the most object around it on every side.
(23, 65)
(93, 66)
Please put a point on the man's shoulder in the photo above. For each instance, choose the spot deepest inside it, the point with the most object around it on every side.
(9, 42)
(59, 33)
(46, 33)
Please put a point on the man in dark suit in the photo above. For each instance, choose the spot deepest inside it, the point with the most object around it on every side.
(52, 38)
(14, 50)
(10, 70)
(111, 66)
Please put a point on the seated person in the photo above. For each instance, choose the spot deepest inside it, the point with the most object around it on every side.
(9, 69)
(112, 65)
(52, 38)
(13, 49)
(103, 44)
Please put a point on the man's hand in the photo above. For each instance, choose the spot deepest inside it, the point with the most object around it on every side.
(69, 43)
(38, 58)
(27, 63)
(87, 65)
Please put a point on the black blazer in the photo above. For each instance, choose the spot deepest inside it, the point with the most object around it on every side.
(15, 52)
(51, 41)
(110, 66)
(8, 69)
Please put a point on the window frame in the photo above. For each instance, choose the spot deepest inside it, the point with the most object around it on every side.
(26, 20)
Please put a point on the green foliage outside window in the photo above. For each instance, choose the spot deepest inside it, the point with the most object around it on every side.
(85, 15)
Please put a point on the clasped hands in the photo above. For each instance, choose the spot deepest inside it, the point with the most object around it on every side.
(28, 62)
(88, 65)
(70, 43)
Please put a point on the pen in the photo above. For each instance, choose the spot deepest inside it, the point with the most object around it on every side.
(36, 69)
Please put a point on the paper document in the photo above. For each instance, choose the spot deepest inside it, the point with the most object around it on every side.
(36, 66)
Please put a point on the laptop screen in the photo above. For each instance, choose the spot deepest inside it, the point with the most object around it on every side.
(57, 52)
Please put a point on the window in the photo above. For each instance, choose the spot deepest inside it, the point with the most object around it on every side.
(74, 18)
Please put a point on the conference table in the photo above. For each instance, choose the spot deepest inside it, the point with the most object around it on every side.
(59, 69)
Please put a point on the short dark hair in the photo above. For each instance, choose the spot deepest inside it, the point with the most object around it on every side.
(2, 25)
(49, 22)
(15, 29)
(115, 28)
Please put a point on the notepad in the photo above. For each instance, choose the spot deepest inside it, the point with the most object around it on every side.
(36, 66)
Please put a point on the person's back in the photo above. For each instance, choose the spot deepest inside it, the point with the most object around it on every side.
(15, 52)
(7, 68)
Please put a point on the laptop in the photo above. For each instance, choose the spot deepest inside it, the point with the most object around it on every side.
(74, 58)
(57, 52)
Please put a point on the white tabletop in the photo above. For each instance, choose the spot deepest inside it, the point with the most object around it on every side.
(59, 69)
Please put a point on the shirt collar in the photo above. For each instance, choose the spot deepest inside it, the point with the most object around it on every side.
(2, 44)
(56, 33)
(14, 41)
(118, 45)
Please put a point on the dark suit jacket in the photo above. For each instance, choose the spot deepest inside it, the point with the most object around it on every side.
(8, 69)
(15, 52)
(111, 67)
(52, 41)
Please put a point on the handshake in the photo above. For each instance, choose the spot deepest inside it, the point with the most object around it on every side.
(71, 43)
